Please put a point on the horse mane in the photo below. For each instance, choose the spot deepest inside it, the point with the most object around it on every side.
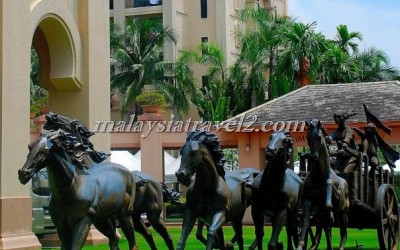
(70, 144)
(289, 137)
(54, 122)
(212, 142)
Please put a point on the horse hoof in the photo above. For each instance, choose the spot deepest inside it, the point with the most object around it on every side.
(279, 246)
(229, 246)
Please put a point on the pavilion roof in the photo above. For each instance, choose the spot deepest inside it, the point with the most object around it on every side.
(323, 100)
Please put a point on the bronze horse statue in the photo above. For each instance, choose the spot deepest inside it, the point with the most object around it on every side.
(213, 197)
(82, 197)
(149, 199)
(248, 174)
(150, 194)
(325, 196)
(276, 193)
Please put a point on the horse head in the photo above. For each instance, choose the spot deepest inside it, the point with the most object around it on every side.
(42, 147)
(201, 149)
(280, 144)
(315, 137)
(190, 157)
(38, 152)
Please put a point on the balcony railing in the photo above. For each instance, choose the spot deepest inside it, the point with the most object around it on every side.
(142, 3)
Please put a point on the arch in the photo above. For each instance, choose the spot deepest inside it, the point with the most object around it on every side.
(58, 44)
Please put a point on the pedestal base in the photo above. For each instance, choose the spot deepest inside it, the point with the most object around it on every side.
(94, 238)
(15, 224)
(28, 242)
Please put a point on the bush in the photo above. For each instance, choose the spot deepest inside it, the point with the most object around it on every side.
(151, 98)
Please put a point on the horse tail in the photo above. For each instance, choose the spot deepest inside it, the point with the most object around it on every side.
(170, 196)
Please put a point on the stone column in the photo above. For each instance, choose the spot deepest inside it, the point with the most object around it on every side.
(15, 202)
(152, 159)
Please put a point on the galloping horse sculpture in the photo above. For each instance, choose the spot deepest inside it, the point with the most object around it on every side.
(276, 193)
(82, 196)
(325, 194)
(212, 197)
(150, 194)
(248, 174)
(149, 199)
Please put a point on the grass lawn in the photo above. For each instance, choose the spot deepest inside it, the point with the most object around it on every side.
(365, 237)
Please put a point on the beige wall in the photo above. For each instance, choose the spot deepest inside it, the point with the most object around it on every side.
(74, 54)
(183, 16)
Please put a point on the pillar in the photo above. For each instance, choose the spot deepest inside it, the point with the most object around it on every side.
(152, 158)
(15, 202)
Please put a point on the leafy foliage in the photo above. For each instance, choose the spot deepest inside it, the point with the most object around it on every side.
(151, 98)
(136, 49)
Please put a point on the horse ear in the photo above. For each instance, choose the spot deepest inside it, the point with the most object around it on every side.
(48, 143)
(307, 124)
(319, 124)
(194, 146)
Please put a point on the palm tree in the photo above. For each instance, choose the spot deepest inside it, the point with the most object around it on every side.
(344, 39)
(180, 85)
(303, 48)
(374, 65)
(213, 101)
(260, 51)
(135, 51)
(247, 75)
(337, 66)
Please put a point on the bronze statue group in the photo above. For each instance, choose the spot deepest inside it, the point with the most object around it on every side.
(87, 190)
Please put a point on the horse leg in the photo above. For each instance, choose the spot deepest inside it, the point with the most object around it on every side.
(305, 223)
(343, 229)
(258, 221)
(277, 224)
(328, 236)
(141, 228)
(218, 220)
(219, 241)
(187, 225)
(126, 223)
(65, 236)
(80, 232)
(199, 232)
(108, 228)
(291, 230)
(64, 232)
(158, 224)
(238, 229)
(315, 238)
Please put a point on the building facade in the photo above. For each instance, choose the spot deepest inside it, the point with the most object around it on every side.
(195, 21)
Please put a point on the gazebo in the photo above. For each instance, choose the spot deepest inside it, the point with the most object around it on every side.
(315, 101)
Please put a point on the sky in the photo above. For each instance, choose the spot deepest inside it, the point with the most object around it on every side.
(378, 21)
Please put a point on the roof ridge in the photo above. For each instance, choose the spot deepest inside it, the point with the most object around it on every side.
(266, 103)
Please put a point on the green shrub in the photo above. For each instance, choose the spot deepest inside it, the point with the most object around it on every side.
(151, 98)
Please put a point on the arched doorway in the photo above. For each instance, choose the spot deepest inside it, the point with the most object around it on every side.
(72, 40)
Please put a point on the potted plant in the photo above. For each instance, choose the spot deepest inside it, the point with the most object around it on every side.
(34, 110)
(151, 101)
(43, 104)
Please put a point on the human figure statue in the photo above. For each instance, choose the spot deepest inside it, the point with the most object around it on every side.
(371, 141)
(343, 136)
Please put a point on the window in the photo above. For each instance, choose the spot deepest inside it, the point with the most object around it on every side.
(204, 81)
(111, 4)
(204, 39)
(203, 7)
